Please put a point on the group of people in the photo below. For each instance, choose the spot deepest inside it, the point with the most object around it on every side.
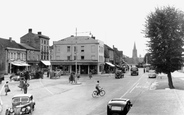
(73, 77)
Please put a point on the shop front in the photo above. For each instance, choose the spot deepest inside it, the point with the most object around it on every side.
(17, 66)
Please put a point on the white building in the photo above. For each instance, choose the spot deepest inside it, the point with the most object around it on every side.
(87, 53)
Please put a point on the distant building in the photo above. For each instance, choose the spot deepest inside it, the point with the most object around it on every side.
(13, 56)
(39, 42)
(134, 60)
(84, 51)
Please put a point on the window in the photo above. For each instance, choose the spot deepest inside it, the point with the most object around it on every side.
(68, 48)
(82, 50)
(93, 57)
(68, 58)
(18, 56)
(82, 57)
(11, 55)
(75, 57)
(75, 49)
(93, 49)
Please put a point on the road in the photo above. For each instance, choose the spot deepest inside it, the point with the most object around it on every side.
(58, 97)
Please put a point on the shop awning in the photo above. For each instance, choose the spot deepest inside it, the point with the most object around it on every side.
(110, 64)
(19, 63)
(47, 63)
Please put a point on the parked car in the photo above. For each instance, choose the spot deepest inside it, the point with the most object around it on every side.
(119, 74)
(118, 106)
(16, 78)
(21, 104)
(152, 74)
(134, 70)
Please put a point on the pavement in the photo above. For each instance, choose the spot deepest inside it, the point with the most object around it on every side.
(160, 99)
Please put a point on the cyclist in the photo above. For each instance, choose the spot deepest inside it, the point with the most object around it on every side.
(98, 87)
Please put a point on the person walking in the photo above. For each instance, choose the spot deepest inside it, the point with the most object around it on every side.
(25, 86)
(7, 89)
(90, 75)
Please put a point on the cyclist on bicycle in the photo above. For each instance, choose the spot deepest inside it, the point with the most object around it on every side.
(98, 87)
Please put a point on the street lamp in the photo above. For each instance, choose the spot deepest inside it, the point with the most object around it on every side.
(76, 48)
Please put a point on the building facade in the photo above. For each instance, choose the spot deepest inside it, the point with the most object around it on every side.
(32, 57)
(14, 56)
(78, 53)
(39, 42)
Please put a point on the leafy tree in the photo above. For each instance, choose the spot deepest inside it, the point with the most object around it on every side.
(165, 29)
(147, 58)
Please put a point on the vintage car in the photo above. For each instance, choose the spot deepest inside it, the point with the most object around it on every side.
(152, 74)
(21, 104)
(118, 106)
(134, 71)
(119, 74)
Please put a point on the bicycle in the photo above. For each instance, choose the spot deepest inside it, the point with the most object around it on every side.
(95, 93)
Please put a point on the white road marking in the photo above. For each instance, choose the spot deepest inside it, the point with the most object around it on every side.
(46, 88)
(133, 87)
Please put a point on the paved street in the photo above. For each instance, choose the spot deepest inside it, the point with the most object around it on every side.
(60, 97)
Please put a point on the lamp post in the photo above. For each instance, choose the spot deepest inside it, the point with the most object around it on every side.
(76, 48)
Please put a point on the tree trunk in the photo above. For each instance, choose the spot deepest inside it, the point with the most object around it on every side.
(170, 82)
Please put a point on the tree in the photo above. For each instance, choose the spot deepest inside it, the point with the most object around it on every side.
(165, 29)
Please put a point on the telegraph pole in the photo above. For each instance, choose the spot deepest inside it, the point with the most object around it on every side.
(76, 52)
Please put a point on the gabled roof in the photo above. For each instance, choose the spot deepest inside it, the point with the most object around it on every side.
(10, 43)
(27, 46)
(108, 47)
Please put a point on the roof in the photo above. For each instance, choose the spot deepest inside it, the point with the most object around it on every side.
(27, 46)
(118, 101)
(23, 95)
(42, 36)
(10, 43)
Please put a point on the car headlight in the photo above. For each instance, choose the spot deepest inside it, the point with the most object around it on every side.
(23, 109)
(28, 107)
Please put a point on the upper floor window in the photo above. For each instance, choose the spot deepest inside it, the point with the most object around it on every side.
(93, 49)
(75, 49)
(75, 57)
(68, 48)
(93, 57)
(68, 58)
(82, 57)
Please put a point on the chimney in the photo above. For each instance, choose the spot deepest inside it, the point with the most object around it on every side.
(40, 33)
(30, 30)
(10, 39)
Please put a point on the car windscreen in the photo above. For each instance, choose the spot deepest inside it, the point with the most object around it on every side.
(24, 99)
(16, 99)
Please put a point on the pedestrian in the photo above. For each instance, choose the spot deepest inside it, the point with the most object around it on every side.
(90, 75)
(25, 86)
(7, 89)
(48, 72)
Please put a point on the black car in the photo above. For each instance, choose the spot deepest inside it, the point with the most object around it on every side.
(118, 106)
(134, 71)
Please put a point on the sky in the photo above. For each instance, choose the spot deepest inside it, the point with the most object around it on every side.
(115, 22)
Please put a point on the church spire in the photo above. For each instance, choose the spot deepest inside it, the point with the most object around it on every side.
(134, 46)
(134, 55)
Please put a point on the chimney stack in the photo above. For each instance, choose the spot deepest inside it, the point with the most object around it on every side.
(40, 33)
(30, 30)
(10, 39)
